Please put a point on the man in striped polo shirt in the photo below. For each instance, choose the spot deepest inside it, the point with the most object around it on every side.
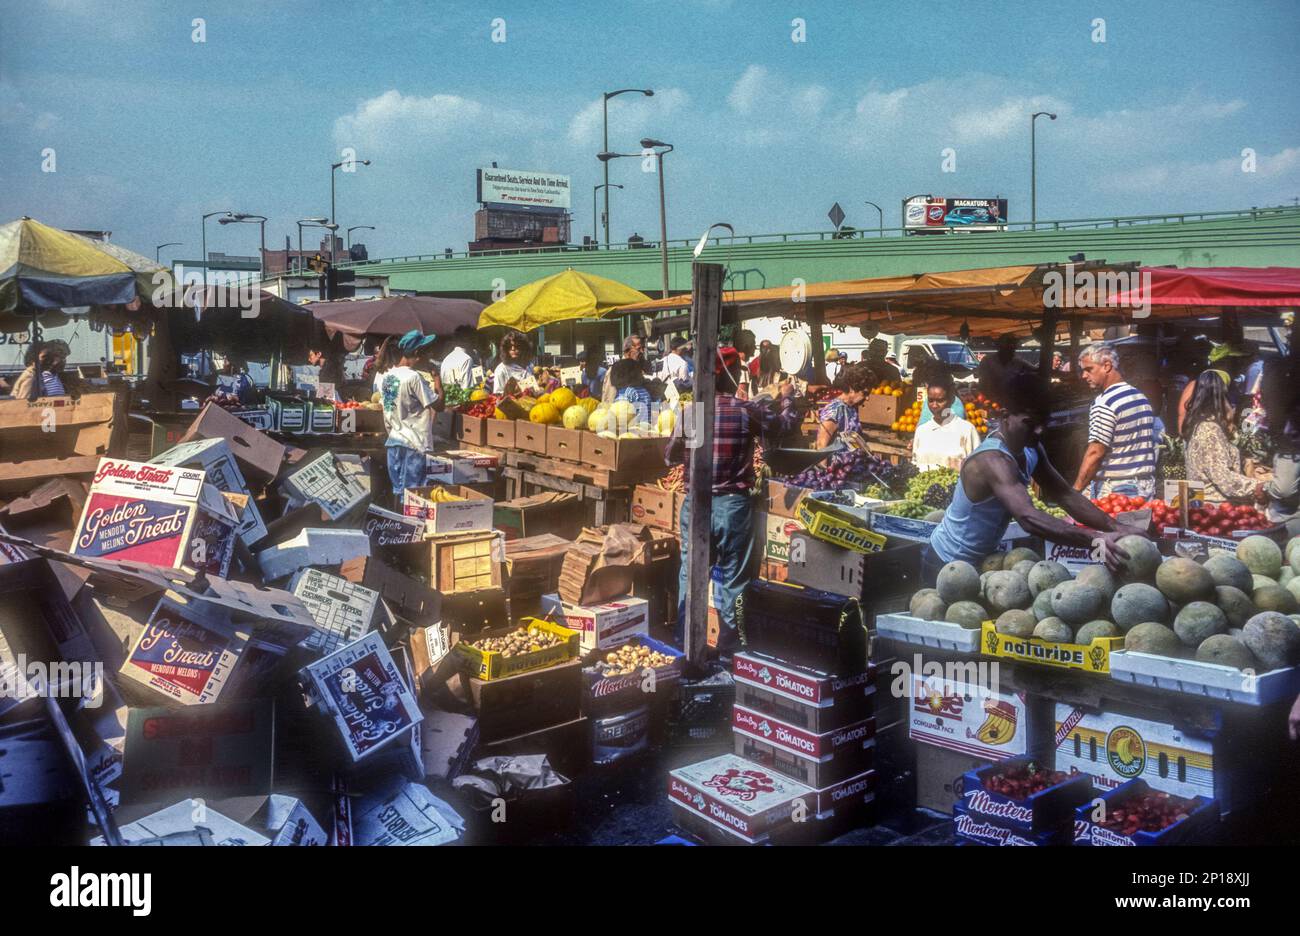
(1121, 453)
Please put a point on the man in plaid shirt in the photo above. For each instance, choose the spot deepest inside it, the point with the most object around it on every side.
(736, 425)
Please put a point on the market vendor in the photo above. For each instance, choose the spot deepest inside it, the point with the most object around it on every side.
(629, 383)
(996, 370)
(457, 369)
(841, 413)
(946, 439)
(1211, 458)
(408, 402)
(877, 358)
(633, 350)
(43, 375)
(515, 365)
(993, 489)
(736, 426)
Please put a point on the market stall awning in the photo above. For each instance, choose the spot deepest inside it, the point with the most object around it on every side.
(395, 315)
(1000, 300)
(558, 298)
(42, 267)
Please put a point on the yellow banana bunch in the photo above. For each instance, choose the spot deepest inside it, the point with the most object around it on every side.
(442, 496)
(1000, 725)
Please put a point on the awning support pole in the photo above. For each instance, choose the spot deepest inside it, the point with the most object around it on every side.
(706, 310)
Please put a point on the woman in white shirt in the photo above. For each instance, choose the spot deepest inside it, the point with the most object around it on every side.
(945, 440)
(516, 358)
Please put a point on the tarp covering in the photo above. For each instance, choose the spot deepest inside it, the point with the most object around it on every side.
(1222, 286)
(45, 268)
(563, 296)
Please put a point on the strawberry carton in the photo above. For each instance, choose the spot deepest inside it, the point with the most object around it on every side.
(159, 515)
(1024, 795)
(1135, 814)
(972, 829)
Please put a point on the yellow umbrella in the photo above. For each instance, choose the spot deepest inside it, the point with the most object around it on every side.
(557, 298)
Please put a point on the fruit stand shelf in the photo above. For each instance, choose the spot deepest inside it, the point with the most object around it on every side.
(1210, 680)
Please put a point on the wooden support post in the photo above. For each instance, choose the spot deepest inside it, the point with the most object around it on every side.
(1047, 345)
(1076, 336)
(818, 352)
(706, 310)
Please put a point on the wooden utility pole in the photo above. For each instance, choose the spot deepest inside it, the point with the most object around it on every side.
(1047, 346)
(818, 352)
(706, 311)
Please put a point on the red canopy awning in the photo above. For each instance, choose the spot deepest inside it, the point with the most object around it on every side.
(1222, 286)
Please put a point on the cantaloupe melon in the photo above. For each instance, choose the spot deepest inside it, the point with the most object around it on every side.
(1261, 555)
(1274, 598)
(1076, 602)
(1229, 570)
(1143, 558)
(1199, 620)
(1046, 575)
(1236, 605)
(993, 562)
(1019, 554)
(1043, 605)
(918, 597)
(1016, 623)
(1094, 629)
(930, 608)
(1055, 630)
(1098, 576)
(1150, 637)
(968, 614)
(1225, 650)
(1007, 590)
(1273, 638)
(1137, 602)
(958, 581)
(1182, 580)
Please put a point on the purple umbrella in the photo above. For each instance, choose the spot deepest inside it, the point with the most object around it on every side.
(396, 315)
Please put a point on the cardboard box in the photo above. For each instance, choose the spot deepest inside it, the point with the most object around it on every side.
(776, 532)
(567, 746)
(530, 436)
(444, 424)
(620, 454)
(179, 825)
(403, 594)
(471, 467)
(533, 563)
(385, 528)
(158, 515)
(655, 507)
(969, 829)
(500, 433)
(447, 741)
(326, 481)
(966, 717)
(817, 759)
(322, 417)
(222, 472)
(491, 664)
(1092, 658)
(564, 444)
(476, 611)
(538, 514)
(209, 751)
(601, 626)
(285, 820)
(360, 419)
(187, 653)
(466, 562)
(618, 737)
(1114, 748)
(259, 456)
(606, 694)
(472, 430)
(1049, 810)
(57, 436)
(525, 702)
(473, 512)
(773, 571)
(343, 612)
(259, 417)
(312, 546)
(803, 626)
(1198, 827)
(735, 800)
(404, 813)
(868, 577)
(290, 413)
(938, 776)
(783, 499)
(361, 688)
(880, 410)
(838, 525)
(805, 698)
(437, 470)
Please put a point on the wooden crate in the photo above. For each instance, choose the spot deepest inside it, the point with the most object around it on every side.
(472, 430)
(530, 437)
(564, 444)
(624, 454)
(655, 507)
(466, 562)
(878, 410)
(500, 433)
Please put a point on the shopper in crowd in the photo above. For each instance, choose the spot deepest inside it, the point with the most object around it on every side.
(633, 350)
(1121, 453)
(43, 375)
(841, 414)
(769, 370)
(736, 427)
(457, 368)
(327, 357)
(834, 365)
(1227, 360)
(930, 371)
(593, 371)
(1280, 394)
(993, 489)
(408, 403)
(629, 384)
(514, 371)
(1211, 458)
(234, 379)
(996, 370)
(876, 358)
(756, 364)
(946, 439)
(676, 368)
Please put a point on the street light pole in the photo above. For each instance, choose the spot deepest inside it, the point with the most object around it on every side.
(882, 216)
(595, 224)
(605, 148)
(334, 220)
(664, 150)
(357, 227)
(204, 242)
(1033, 168)
(308, 222)
(157, 251)
(240, 217)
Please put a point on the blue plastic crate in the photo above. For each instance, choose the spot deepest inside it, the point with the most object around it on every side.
(1049, 810)
(978, 830)
(1200, 822)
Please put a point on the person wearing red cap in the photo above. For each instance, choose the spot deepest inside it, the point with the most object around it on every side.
(736, 426)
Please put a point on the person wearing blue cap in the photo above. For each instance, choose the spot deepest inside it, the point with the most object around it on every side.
(408, 402)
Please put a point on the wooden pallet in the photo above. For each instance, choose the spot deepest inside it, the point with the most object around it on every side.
(581, 473)
(609, 505)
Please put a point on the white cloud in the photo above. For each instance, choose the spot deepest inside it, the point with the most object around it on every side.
(634, 115)
(1278, 170)
(748, 89)
(393, 120)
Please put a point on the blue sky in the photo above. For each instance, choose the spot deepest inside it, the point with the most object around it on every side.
(150, 129)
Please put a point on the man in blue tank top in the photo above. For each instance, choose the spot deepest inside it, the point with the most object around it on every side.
(992, 490)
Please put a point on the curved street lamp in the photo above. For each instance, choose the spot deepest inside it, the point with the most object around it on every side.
(242, 218)
(334, 220)
(357, 227)
(157, 251)
(605, 147)
(704, 238)
(882, 216)
(204, 241)
(307, 222)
